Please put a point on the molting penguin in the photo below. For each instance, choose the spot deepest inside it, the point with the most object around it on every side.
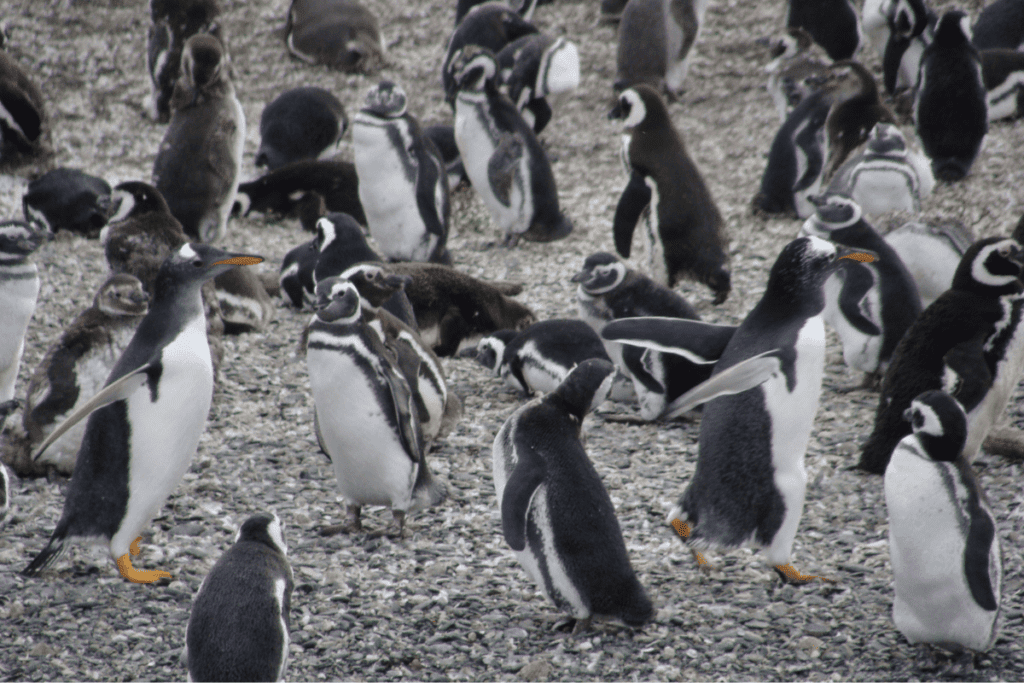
(943, 542)
(23, 120)
(343, 34)
(556, 515)
(1000, 25)
(502, 156)
(301, 123)
(969, 342)
(656, 40)
(833, 24)
(796, 60)
(1003, 74)
(685, 233)
(282, 190)
(533, 67)
(144, 426)
(931, 251)
(403, 186)
(19, 288)
(238, 628)
(173, 23)
(67, 199)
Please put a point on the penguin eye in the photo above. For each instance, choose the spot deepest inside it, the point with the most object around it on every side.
(918, 420)
(197, 262)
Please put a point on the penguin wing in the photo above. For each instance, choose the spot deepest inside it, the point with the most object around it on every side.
(24, 117)
(635, 198)
(736, 379)
(966, 375)
(858, 281)
(501, 168)
(698, 341)
(522, 484)
(406, 412)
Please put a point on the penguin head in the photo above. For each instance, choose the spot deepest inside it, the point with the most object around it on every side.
(338, 228)
(265, 528)
(888, 140)
(374, 284)
(802, 267)
(202, 60)
(602, 272)
(939, 423)
(337, 301)
(845, 80)
(790, 43)
(133, 199)
(991, 266)
(121, 295)
(472, 67)
(640, 105)
(490, 351)
(585, 387)
(192, 264)
(18, 239)
(953, 31)
(386, 100)
(832, 212)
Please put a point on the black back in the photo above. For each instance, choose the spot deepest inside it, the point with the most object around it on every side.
(832, 23)
(336, 181)
(299, 124)
(1000, 25)
(70, 200)
(491, 26)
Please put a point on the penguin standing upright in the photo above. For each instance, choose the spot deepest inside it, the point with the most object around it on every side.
(5, 488)
(685, 232)
(301, 123)
(19, 287)
(403, 186)
(238, 627)
(910, 28)
(533, 67)
(946, 561)
(144, 426)
(834, 24)
(555, 512)
(656, 40)
(343, 34)
(173, 23)
(67, 199)
(197, 166)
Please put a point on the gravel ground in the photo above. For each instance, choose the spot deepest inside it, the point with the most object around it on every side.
(449, 602)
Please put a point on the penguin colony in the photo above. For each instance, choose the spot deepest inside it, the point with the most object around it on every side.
(347, 333)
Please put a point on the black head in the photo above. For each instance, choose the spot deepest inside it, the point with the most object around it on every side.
(939, 423)
(202, 60)
(374, 283)
(386, 100)
(602, 272)
(337, 301)
(338, 228)
(800, 270)
(265, 528)
(833, 212)
(192, 264)
(18, 239)
(472, 67)
(122, 295)
(637, 105)
(887, 139)
(133, 199)
(953, 31)
(992, 266)
(490, 350)
(585, 387)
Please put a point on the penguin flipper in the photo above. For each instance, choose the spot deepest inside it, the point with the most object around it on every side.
(697, 341)
(971, 378)
(858, 282)
(635, 198)
(406, 413)
(744, 375)
(522, 484)
(501, 168)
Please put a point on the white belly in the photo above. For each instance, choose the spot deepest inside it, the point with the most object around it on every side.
(860, 349)
(17, 304)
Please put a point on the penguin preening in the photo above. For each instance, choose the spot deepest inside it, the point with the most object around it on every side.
(68, 199)
(656, 39)
(282, 190)
(144, 425)
(301, 123)
(19, 288)
(173, 22)
(833, 24)
(343, 34)
(533, 67)
(556, 515)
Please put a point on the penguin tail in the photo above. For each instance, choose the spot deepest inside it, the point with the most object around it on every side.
(875, 455)
(54, 549)
(949, 169)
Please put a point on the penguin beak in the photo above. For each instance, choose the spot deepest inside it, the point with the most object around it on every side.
(338, 308)
(397, 281)
(616, 112)
(239, 260)
(862, 255)
(581, 276)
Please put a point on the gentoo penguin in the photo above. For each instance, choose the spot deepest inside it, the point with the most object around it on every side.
(656, 40)
(68, 199)
(968, 343)
(684, 231)
(76, 366)
(23, 120)
(1002, 72)
(869, 305)
(524, 8)
(173, 23)
(502, 156)
(886, 175)
(533, 67)
(946, 561)
(342, 34)
(1000, 25)
(366, 417)
(556, 515)
(19, 287)
(144, 426)
(454, 309)
(301, 123)
(796, 58)
(950, 108)
(833, 24)
(403, 186)
(282, 190)
(750, 479)
(931, 251)
(197, 166)
(238, 628)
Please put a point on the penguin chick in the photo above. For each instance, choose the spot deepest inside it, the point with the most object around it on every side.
(656, 39)
(556, 515)
(533, 67)
(173, 22)
(24, 124)
(301, 123)
(796, 59)
(833, 24)
(343, 34)
(281, 191)
(68, 199)
(931, 251)
(19, 288)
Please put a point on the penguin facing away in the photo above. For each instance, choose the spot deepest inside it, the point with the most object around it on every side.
(19, 288)
(300, 123)
(240, 618)
(833, 24)
(656, 39)
(556, 515)
(144, 426)
(282, 190)
(173, 22)
(68, 199)
(343, 34)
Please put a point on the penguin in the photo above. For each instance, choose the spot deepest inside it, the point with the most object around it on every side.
(833, 24)
(342, 34)
(502, 156)
(366, 419)
(946, 560)
(1002, 72)
(656, 39)
(245, 304)
(68, 199)
(240, 619)
(685, 233)
(443, 137)
(24, 123)
(750, 480)
(380, 289)
(76, 366)
(533, 67)
(197, 166)
(1000, 25)
(796, 58)
(911, 27)
(950, 108)
(611, 11)
(295, 280)
(144, 426)
(968, 342)
(173, 22)
(523, 8)
(556, 515)
(282, 190)
(887, 175)
(869, 305)
(301, 123)
(19, 288)
(5, 490)
(931, 251)
(403, 185)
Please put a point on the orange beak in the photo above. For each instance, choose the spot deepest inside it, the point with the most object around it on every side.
(239, 261)
(860, 256)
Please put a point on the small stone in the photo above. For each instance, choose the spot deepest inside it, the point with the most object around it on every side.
(809, 643)
(537, 670)
(817, 628)
(516, 632)
(42, 650)
(187, 529)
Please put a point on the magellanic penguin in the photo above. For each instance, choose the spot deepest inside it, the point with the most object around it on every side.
(24, 124)
(342, 34)
(197, 166)
(833, 24)
(366, 419)
(969, 343)
(173, 23)
(685, 233)
(68, 199)
(301, 123)
(19, 288)
(281, 191)
(911, 27)
(796, 58)
(144, 426)
(869, 305)
(556, 515)
(1002, 72)
(1000, 25)
(534, 67)
(931, 251)
(750, 479)
(656, 39)
(523, 8)
(403, 186)
(951, 108)
(502, 156)
(946, 561)
(880, 19)
(238, 627)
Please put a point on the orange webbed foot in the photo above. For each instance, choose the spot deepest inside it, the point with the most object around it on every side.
(791, 574)
(124, 565)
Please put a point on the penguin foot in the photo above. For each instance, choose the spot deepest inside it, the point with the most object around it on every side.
(510, 241)
(351, 524)
(789, 574)
(683, 529)
(926, 660)
(580, 626)
(572, 626)
(959, 667)
(124, 565)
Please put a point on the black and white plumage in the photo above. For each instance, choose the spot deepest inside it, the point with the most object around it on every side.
(343, 34)
(524, 8)
(969, 342)
(796, 59)
(556, 515)
(443, 137)
(943, 541)
(282, 190)
(197, 166)
(533, 67)
(68, 199)
(240, 619)
(882, 19)
(403, 184)
(685, 233)
(19, 288)
(24, 124)
(173, 22)
(144, 425)
(910, 27)
(1002, 72)
(5, 488)
(1000, 25)
(656, 39)
(301, 123)
(931, 251)
(833, 24)
(502, 156)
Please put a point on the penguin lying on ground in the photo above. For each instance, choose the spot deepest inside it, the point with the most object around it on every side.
(343, 34)
(556, 515)
(931, 251)
(173, 23)
(796, 59)
(535, 66)
(19, 288)
(656, 39)
(282, 190)
(67, 199)
(301, 123)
